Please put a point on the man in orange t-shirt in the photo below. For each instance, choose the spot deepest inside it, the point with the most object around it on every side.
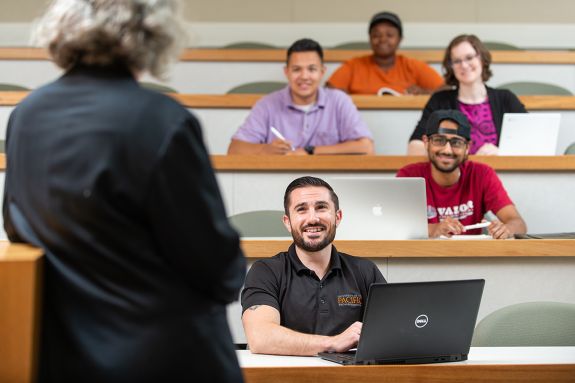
(383, 69)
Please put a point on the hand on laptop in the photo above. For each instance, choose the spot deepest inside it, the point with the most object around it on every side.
(346, 340)
(447, 228)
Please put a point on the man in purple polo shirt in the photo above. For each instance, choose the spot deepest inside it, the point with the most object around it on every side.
(303, 118)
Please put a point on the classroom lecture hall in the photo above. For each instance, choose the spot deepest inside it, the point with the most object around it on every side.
(235, 54)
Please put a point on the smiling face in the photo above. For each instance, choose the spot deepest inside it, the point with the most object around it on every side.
(304, 72)
(384, 39)
(466, 64)
(446, 158)
(312, 219)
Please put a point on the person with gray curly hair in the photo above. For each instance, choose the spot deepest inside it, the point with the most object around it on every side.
(144, 35)
(114, 183)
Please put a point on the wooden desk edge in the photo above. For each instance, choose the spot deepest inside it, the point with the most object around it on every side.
(427, 248)
(529, 56)
(530, 373)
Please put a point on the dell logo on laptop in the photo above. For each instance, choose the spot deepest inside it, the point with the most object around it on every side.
(421, 321)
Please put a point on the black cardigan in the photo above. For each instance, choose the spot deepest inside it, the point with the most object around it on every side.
(500, 100)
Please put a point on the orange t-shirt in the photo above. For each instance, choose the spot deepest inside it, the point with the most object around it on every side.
(362, 75)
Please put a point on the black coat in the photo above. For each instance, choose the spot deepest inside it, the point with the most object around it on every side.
(114, 183)
(501, 101)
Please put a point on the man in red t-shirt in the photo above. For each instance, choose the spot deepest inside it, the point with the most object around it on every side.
(460, 192)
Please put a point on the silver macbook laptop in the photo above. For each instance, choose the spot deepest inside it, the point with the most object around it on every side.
(381, 208)
(422, 322)
(529, 134)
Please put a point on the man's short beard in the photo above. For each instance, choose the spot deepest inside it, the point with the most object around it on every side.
(300, 242)
(450, 169)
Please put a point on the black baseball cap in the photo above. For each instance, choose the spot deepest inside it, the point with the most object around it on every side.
(463, 126)
(386, 17)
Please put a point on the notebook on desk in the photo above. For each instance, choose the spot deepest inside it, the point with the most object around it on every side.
(421, 322)
(381, 208)
(529, 134)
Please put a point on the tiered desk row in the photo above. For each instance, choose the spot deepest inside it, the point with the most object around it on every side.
(20, 273)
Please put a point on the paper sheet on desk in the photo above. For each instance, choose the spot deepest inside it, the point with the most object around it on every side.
(467, 236)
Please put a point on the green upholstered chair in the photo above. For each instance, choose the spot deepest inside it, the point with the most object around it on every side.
(249, 45)
(535, 88)
(260, 223)
(570, 149)
(353, 45)
(528, 324)
(13, 88)
(500, 46)
(158, 87)
(260, 87)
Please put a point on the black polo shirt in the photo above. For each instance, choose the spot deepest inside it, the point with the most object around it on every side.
(306, 303)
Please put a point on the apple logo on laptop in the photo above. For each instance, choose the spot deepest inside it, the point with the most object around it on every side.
(377, 210)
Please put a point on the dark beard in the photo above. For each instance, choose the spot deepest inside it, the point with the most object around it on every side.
(451, 168)
(299, 241)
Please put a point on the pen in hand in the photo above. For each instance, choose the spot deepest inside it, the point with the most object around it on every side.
(477, 226)
(276, 133)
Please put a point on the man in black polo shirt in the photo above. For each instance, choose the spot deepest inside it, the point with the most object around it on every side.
(311, 298)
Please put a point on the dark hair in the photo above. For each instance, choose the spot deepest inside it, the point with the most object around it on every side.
(308, 181)
(481, 50)
(305, 45)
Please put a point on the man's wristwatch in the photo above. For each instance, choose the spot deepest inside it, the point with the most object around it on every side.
(309, 149)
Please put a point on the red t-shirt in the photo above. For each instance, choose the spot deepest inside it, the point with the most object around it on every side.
(477, 191)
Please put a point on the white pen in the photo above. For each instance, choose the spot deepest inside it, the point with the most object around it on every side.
(279, 135)
(477, 226)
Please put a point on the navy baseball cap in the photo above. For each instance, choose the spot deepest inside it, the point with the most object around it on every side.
(386, 17)
(463, 126)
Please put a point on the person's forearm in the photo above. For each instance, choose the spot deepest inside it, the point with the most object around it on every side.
(361, 146)
(278, 340)
(245, 148)
(516, 226)
(432, 229)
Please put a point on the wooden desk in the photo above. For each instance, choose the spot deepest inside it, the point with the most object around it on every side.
(330, 55)
(20, 272)
(226, 163)
(485, 364)
(363, 102)
(261, 248)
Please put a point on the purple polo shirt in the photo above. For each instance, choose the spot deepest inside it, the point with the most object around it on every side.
(333, 119)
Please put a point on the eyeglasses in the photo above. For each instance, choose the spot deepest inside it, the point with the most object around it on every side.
(467, 59)
(441, 141)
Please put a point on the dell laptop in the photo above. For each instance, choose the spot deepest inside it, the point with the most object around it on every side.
(376, 208)
(410, 323)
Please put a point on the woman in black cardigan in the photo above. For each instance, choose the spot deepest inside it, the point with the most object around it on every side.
(466, 66)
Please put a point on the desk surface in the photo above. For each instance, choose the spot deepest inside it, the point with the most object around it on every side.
(497, 364)
(330, 55)
(380, 163)
(262, 248)
(363, 102)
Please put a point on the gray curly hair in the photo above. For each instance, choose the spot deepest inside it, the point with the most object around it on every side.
(144, 35)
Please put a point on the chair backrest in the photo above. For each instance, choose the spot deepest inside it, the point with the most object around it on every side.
(526, 88)
(570, 149)
(260, 87)
(260, 223)
(249, 45)
(527, 324)
(12, 88)
(157, 87)
(500, 46)
(353, 45)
